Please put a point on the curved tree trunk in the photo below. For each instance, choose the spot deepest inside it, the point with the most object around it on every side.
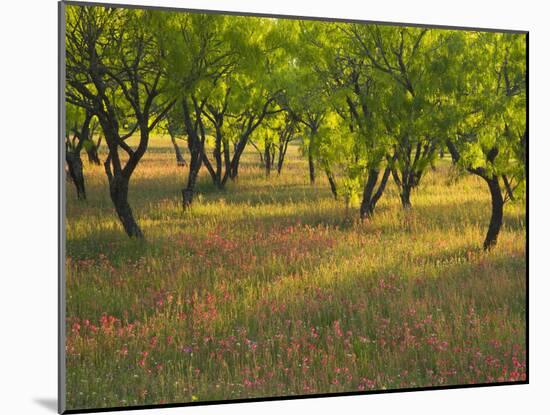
(179, 157)
(497, 205)
(194, 168)
(281, 157)
(371, 195)
(196, 147)
(118, 188)
(234, 172)
(497, 200)
(74, 162)
(367, 206)
(332, 183)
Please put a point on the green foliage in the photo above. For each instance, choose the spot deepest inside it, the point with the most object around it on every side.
(363, 96)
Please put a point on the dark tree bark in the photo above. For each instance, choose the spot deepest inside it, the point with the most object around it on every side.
(73, 149)
(312, 120)
(405, 184)
(216, 116)
(195, 144)
(248, 122)
(313, 125)
(413, 162)
(286, 135)
(508, 187)
(332, 183)
(269, 157)
(74, 163)
(226, 161)
(179, 157)
(371, 194)
(235, 161)
(118, 189)
(497, 200)
(189, 191)
(280, 163)
(405, 197)
(93, 156)
(92, 147)
(311, 165)
(218, 157)
(92, 78)
(240, 146)
(497, 207)
(283, 146)
(194, 168)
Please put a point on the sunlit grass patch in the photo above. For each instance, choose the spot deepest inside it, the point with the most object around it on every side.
(271, 287)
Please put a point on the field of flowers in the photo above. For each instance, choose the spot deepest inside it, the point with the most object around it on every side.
(272, 288)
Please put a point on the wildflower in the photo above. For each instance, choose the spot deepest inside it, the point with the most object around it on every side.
(76, 328)
(337, 328)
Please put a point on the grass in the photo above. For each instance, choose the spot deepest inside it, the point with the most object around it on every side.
(272, 288)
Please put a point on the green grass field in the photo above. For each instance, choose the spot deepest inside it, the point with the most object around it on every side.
(273, 288)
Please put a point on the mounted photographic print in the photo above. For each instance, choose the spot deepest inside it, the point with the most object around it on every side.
(261, 207)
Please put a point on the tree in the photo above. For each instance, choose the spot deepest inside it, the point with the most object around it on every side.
(113, 72)
(206, 62)
(204, 51)
(92, 147)
(277, 134)
(490, 139)
(78, 124)
(173, 126)
(353, 93)
(410, 64)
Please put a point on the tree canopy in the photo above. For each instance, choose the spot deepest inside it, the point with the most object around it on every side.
(368, 103)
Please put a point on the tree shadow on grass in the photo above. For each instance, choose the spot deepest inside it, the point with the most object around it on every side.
(459, 280)
(258, 211)
(470, 212)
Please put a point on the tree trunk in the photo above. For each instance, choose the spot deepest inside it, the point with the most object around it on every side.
(405, 196)
(188, 192)
(93, 156)
(179, 157)
(332, 183)
(218, 158)
(234, 173)
(370, 197)
(281, 159)
(280, 165)
(311, 168)
(367, 207)
(76, 174)
(497, 205)
(194, 168)
(118, 188)
(267, 160)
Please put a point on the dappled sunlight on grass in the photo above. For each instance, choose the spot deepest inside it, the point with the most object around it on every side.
(271, 287)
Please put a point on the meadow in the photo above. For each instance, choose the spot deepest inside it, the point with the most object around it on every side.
(273, 288)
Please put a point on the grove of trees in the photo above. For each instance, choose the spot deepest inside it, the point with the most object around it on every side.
(367, 103)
